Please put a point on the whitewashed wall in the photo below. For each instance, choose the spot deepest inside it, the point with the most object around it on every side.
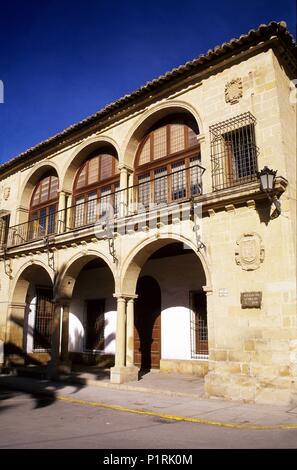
(176, 277)
(92, 284)
(29, 321)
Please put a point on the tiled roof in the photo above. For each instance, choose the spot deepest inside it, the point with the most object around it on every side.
(253, 37)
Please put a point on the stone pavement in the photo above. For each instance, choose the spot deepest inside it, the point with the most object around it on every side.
(169, 396)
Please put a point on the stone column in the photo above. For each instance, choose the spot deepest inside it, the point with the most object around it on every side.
(121, 372)
(53, 366)
(130, 332)
(120, 332)
(69, 216)
(65, 363)
(124, 191)
(131, 202)
(61, 212)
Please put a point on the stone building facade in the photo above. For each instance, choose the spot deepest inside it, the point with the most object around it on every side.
(141, 234)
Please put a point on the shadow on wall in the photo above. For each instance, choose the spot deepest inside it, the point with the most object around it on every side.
(263, 209)
(45, 391)
(76, 341)
(79, 352)
(18, 354)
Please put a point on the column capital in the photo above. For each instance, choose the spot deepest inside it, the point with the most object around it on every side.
(125, 296)
(132, 298)
(124, 166)
(62, 302)
(63, 191)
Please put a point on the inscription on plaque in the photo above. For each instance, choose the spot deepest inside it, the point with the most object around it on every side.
(251, 299)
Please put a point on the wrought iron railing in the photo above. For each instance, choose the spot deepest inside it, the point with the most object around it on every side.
(149, 194)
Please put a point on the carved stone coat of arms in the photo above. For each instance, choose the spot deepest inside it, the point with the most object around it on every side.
(249, 253)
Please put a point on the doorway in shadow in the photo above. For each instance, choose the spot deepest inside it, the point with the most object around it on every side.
(147, 329)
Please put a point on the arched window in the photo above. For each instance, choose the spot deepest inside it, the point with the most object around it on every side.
(95, 188)
(167, 162)
(43, 207)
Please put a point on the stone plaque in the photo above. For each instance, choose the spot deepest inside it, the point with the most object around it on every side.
(223, 292)
(251, 299)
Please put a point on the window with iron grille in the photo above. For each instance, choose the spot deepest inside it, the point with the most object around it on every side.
(233, 151)
(199, 328)
(4, 228)
(43, 319)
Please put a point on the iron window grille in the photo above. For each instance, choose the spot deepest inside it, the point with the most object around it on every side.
(43, 326)
(4, 230)
(198, 325)
(233, 152)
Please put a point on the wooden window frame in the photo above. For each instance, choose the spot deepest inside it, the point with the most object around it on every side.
(167, 161)
(48, 201)
(35, 211)
(86, 188)
(33, 227)
(97, 187)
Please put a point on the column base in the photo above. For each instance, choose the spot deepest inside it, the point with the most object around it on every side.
(122, 374)
(56, 369)
(64, 367)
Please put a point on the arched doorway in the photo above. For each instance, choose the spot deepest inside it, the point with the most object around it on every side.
(147, 332)
(168, 277)
(87, 287)
(31, 317)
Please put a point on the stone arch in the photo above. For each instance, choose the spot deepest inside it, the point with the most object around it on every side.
(149, 118)
(32, 179)
(36, 273)
(66, 279)
(140, 254)
(79, 155)
(17, 293)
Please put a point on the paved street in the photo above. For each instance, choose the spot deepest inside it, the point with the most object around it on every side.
(31, 422)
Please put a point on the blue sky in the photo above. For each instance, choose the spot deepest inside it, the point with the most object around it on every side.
(63, 60)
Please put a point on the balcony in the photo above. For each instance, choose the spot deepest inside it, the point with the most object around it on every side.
(142, 200)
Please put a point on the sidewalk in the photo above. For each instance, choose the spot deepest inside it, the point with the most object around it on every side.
(168, 396)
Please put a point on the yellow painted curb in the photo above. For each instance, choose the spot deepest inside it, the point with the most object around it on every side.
(177, 418)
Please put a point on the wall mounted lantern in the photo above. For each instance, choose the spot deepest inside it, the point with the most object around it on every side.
(267, 182)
